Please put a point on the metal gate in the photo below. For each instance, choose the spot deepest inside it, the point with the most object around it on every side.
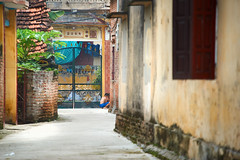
(80, 81)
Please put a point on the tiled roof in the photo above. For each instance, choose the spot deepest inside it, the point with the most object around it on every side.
(15, 4)
(35, 18)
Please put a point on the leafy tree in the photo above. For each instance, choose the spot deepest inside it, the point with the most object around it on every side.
(27, 40)
(54, 15)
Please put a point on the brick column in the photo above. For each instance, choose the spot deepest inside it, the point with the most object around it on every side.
(42, 95)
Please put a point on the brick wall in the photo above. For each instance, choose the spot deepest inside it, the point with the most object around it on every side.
(171, 138)
(135, 128)
(114, 67)
(42, 94)
(107, 66)
(114, 78)
(1, 89)
(113, 8)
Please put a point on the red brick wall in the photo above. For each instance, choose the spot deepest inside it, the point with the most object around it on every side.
(113, 8)
(107, 66)
(115, 82)
(114, 67)
(42, 94)
(1, 89)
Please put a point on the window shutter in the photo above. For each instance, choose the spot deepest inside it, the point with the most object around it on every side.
(203, 49)
(181, 38)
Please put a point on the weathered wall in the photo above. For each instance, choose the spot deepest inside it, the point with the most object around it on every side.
(11, 69)
(203, 108)
(228, 76)
(135, 61)
(147, 58)
(207, 109)
(123, 65)
(42, 95)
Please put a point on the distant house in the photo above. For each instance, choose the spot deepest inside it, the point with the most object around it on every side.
(180, 75)
(8, 60)
(84, 22)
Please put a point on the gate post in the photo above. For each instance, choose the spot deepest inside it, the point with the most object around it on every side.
(73, 79)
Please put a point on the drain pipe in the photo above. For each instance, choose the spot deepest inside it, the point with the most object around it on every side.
(117, 5)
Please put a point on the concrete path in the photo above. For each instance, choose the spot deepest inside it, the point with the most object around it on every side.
(80, 134)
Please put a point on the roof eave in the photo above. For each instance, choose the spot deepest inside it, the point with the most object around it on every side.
(15, 4)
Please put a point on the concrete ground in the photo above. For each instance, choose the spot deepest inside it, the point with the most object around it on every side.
(80, 134)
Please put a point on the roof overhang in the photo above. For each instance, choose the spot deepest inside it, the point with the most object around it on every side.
(140, 2)
(15, 4)
(122, 15)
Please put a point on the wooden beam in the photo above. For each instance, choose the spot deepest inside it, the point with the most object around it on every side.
(122, 15)
(140, 2)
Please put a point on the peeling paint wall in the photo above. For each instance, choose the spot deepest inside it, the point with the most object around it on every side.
(135, 61)
(123, 64)
(147, 57)
(207, 109)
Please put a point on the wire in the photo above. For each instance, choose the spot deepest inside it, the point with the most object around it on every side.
(114, 27)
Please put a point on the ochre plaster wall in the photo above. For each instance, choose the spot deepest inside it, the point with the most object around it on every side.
(207, 109)
(147, 58)
(123, 65)
(135, 61)
(11, 69)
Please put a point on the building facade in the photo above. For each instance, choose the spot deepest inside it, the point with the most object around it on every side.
(179, 73)
(85, 22)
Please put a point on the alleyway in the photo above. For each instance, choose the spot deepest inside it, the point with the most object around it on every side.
(78, 134)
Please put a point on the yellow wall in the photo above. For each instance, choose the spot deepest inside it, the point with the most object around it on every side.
(11, 69)
(205, 108)
(123, 62)
(208, 109)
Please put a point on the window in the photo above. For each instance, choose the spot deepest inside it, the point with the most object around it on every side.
(194, 39)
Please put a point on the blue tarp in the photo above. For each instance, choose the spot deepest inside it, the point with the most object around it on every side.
(93, 50)
(67, 52)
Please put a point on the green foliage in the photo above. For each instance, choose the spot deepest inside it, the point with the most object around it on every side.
(27, 42)
(55, 70)
(54, 15)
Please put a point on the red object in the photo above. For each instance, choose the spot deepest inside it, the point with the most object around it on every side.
(194, 39)
(203, 47)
